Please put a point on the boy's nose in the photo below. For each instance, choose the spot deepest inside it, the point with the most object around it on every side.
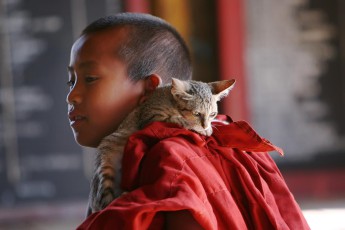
(74, 96)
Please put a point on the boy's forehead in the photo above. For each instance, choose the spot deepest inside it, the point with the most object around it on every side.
(115, 35)
(77, 45)
(105, 41)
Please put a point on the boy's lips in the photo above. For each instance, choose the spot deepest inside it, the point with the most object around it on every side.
(75, 119)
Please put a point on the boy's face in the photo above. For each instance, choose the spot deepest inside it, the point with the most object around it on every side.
(101, 94)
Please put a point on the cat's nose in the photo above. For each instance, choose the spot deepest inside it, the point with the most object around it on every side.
(206, 125)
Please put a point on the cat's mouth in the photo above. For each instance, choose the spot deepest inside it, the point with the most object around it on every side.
(206, 132)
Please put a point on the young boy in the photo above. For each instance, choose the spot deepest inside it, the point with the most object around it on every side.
(176, 179)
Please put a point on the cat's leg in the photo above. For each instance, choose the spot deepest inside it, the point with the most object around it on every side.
(92, 205)
(93, 192)
(108, 173)
(108, 164)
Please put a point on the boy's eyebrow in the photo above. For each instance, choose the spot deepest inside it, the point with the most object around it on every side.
(83, 65)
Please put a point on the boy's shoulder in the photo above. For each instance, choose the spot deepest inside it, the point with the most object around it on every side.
(163, 130)
(226, 133)
(158, 131)
(163, 145)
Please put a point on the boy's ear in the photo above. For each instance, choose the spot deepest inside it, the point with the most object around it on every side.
(151, 83)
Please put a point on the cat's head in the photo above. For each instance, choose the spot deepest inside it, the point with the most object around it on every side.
(197, 102)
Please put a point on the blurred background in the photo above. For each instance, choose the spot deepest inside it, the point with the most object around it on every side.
(288, 58)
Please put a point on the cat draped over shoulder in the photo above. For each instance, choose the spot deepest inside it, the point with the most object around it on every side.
(190, 104)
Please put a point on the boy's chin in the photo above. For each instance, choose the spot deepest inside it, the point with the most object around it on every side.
(85, 142)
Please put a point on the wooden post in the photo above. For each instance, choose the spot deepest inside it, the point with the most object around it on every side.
(138, 6)
(231, 35)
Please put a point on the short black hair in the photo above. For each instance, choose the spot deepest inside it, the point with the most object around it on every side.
(151, 46)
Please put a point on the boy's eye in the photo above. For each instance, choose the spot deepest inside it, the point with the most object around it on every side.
(90, 79)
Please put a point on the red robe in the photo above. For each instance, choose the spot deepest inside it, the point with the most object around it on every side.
(226, 181)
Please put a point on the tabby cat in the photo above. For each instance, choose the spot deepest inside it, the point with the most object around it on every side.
(190, 104)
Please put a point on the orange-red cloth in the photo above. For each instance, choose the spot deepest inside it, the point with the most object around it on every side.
(226, 181)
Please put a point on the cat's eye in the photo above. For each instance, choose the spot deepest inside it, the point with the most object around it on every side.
(213, 114)
(196, 114)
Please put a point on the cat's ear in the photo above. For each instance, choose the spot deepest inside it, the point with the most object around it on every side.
(179, 90)
(221, 89)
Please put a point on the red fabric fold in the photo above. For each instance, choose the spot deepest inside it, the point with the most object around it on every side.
(240, 135)
(226, 181)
